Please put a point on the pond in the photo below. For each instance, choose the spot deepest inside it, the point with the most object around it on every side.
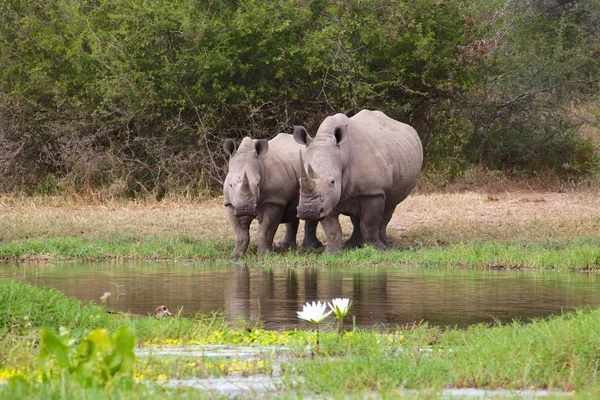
(381, 296)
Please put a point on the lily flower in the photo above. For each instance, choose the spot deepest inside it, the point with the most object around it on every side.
(340, 307)
(314, 312)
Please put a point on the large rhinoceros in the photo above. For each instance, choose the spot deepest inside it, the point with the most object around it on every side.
(262, 183)
(362, 167)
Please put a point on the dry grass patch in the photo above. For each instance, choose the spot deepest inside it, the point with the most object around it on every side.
(522, 216)
(423, 219)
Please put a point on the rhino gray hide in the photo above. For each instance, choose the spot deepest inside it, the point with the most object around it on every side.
(262, 183)
(362, 167)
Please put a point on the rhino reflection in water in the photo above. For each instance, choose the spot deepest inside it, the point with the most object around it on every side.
(262, 183)
(362, 167)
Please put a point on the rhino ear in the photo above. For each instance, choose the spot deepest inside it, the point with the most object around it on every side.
(261, 146)
(301, 136)
(229, 146)
(340, 134)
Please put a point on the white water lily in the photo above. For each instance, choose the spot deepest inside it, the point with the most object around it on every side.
(315, 312)
(340, 307)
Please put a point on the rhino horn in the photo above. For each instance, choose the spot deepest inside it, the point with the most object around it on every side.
(303, 173)
(305, 182)
(311, 172)
(245, 188)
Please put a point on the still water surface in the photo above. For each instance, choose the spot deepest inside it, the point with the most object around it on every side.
(381, 296)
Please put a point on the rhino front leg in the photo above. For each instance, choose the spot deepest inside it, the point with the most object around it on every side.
(289, 238)
(241, 232)
(333, 231)
(310, 235)
(356, 239)
(271, 218)
(370, 219)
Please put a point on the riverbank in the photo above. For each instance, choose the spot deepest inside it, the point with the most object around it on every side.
(521, 229)
(558, 354)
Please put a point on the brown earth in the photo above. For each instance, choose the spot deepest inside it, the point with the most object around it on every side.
(422, 219)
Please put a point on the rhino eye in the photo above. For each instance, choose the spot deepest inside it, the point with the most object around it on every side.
(332, 183)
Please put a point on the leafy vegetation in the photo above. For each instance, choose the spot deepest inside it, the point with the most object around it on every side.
(557, 353)
(133, 98)
(100, 358)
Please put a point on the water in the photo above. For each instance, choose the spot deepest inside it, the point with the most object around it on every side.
(381, 296)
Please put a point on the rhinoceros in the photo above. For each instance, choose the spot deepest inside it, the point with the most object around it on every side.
(362, 167)
(262, 183)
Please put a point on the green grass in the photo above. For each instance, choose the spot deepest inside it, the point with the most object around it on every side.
(571, 255)
(78, 248)
(558, 353)
(66, 389)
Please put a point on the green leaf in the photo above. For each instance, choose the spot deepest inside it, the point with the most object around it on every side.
(52, 348)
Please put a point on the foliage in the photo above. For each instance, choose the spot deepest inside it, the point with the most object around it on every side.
(554, 353)
(99, 359)
(135, 97)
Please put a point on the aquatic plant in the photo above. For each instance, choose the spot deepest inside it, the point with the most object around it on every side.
(98, 359)
(314, 312)
(340, 308)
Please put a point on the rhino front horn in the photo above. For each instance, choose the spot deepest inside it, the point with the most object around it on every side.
(245, 188)
(306, 184)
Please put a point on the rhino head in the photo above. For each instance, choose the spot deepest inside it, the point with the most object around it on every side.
(321, 170)
(242, 185)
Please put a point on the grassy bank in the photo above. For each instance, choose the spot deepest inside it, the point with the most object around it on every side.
(559, 353)
(576, 255)
(543, 230)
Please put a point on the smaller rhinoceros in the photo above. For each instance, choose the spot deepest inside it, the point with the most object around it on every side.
(362, 167)
(263, 183)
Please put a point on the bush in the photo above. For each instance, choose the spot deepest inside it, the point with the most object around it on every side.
(135, 97)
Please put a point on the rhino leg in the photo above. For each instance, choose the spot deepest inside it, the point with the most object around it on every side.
(241, 232)
(310, 235)
(371, 208)
(271, 218)
(333, 231)
(289, 238)
(356, 239)
(385, 220)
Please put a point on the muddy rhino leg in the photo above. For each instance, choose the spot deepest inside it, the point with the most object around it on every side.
(310, 235)
(371, 212)
(289, 238)
(333, 231)
(271, 218)
(356, 239)
(385, 220)
(241, 232)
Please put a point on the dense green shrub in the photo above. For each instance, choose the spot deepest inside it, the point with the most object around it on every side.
(135, 97)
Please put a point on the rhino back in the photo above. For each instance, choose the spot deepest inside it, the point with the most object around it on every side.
(282, 170)
(382, 156)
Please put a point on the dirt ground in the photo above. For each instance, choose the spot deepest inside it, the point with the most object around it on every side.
(422, 219)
